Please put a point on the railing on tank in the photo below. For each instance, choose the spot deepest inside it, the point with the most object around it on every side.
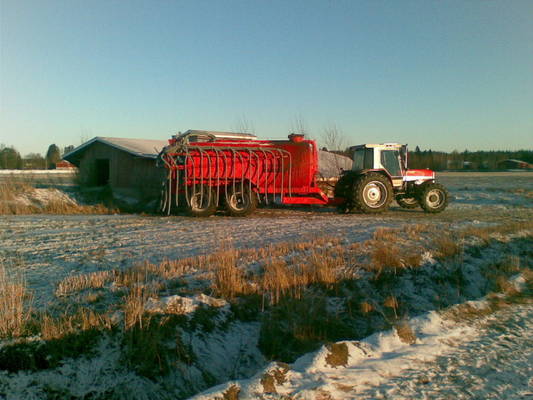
(186, 158)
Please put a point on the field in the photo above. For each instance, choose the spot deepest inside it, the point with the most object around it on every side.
(288, 302)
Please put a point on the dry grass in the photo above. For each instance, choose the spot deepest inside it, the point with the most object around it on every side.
(447, 247)
(135, 306)
(75, 283)
(338, 355)
(84, 319)
(385, 257)
(16, 199)
(485, 233)
(386, 234)
(405, 332)
(15, 304)
(228, 279)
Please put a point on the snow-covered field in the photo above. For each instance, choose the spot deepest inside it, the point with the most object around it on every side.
(490, 358)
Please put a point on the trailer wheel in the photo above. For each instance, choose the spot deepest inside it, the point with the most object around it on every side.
(240, 201)
(407, 202)
(202, 201)
(372, 193)
(433, 198)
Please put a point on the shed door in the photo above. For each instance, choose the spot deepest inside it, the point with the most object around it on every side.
(102, 172)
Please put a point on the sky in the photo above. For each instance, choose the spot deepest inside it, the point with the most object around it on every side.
(440, 74)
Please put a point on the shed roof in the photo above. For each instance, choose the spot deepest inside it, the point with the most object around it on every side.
(147, 148)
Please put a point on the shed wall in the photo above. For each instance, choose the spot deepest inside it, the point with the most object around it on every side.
(135, 176)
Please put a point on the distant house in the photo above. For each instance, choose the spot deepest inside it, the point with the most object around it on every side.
(63, 164)
(127, 166)
(514, 164)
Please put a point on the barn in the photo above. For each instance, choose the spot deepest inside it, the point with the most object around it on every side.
(514, 164)
(127, 166)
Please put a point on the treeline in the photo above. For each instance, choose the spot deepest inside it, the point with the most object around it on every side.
(10, 158)
(478, 160)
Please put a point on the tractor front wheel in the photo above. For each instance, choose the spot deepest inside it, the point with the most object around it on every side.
(407, 202)
(433, 198)
(202, 201)
(372, 193)
(240, 201)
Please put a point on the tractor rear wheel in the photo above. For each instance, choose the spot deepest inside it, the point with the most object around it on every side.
(407, 202)
(202, 201)
(433, 198)
(240, 201)
(372, 193)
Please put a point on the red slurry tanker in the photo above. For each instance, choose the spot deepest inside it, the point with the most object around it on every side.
(238, 171)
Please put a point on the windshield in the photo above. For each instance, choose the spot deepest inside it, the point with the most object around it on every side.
(363, 159)
(390, 159)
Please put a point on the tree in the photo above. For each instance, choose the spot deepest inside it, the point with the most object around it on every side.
(334, 140)
(68, 149)
(34, 161)
(53, 156)
(10, 158)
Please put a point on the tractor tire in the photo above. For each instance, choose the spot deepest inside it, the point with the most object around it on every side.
(433, 198)
(201, 201)
(407, 202)
(372, 193)
(240, 202)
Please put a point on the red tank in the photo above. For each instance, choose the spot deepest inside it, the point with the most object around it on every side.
(205, 171)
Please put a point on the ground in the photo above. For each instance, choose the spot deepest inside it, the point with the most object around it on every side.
(49, 248)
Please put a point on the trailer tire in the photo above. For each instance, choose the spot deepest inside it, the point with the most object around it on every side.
(201, 201)
(240, 201)
(372, 193)
(407, 202)
(433, 198)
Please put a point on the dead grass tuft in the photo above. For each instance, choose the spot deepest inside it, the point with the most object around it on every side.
(229, 279)
(15, 304)
(447, 247)
(76, 283)
(405, 332)
(385, 258)
(386, 234)
(83, 320)
(232, 393)
(338, 355)
(366, 307)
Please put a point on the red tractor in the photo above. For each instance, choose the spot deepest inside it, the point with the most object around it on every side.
(379, 174)
(237, 171)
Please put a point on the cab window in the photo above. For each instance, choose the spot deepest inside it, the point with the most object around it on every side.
(363, 159)
(390, 159)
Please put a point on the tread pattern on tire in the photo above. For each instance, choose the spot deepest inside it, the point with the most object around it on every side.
(422, 199)
(211, 207)
(247, 211)
(357, 193)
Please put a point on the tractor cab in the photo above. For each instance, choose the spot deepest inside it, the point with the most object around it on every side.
(379, 175)
(389, 157)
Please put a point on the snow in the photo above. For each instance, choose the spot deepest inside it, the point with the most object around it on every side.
(492, 357)
(384, 366)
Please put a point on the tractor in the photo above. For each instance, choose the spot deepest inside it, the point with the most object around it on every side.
(379, 175)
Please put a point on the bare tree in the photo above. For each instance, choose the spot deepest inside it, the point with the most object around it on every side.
(333, 138)
(335, 142)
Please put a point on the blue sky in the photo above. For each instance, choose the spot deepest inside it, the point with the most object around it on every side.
(440, 74)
